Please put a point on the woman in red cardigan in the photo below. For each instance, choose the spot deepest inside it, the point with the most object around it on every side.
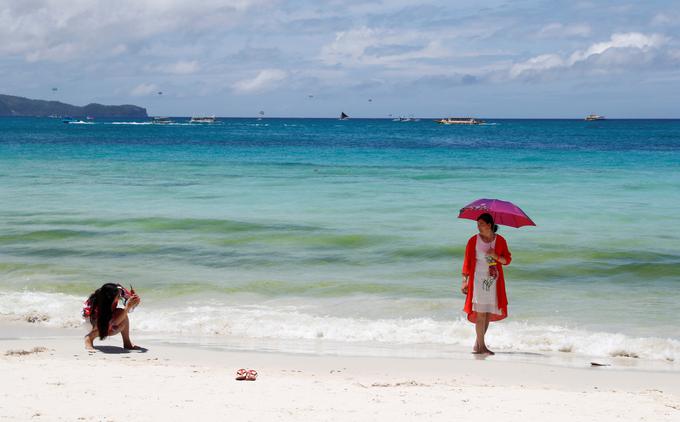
(483, 281)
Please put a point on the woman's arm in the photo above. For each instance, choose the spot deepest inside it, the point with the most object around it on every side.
(503, 256)
(466, 270)
(498, 258)
(468, 252)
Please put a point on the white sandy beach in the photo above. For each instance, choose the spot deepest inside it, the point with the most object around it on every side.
(62, 381)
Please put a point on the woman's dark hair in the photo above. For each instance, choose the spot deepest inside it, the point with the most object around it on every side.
(488, 219)
(101, 304)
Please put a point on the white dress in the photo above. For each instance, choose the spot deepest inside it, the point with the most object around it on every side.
(484, 295)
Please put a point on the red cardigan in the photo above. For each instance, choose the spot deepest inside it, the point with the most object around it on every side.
(469, 264)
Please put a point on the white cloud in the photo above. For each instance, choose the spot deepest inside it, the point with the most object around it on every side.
(182, 67)
(538, 63)
(558, 30)
(58, 53)
(666, 19)
(119, 49)
(349, 46)
(52, 31)
(143, 89)
(265, 80)
(633, 40)
(383, 47)
(620, 50)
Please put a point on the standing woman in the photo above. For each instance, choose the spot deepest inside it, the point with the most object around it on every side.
(106, 317)
(483, 281)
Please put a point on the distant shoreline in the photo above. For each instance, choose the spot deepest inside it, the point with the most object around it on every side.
(14, 106)
(422, 119)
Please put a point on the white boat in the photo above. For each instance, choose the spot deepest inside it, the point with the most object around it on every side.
(161, 121)
(592, 117)
(460, 121)
(202, 119)
(406, 119)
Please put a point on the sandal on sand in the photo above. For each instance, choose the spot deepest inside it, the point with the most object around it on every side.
(251, 375)
(241, 374)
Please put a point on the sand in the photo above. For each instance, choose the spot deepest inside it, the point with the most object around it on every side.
(47, 377)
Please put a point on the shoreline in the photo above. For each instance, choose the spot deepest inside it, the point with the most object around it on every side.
(269, 328)
(170, 381)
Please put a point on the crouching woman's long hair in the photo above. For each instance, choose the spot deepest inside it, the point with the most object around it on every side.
(102, 304)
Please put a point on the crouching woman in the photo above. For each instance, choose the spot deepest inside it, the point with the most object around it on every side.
(106, 317)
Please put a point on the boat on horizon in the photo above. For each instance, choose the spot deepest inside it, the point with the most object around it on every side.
(460, 121)
(592, 117)
(344, 116)
(78, 122)
(202, 119)
(406, 119)
(161, 120)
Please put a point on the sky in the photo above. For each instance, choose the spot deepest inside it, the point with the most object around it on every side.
(513, 59)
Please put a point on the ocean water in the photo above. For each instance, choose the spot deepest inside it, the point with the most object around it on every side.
(333, 234)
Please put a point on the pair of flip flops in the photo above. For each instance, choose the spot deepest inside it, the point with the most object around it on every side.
(246, 375)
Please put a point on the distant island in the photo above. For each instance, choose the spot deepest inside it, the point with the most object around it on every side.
(20, 106)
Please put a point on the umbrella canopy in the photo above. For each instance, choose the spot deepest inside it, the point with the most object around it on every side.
(503, 212)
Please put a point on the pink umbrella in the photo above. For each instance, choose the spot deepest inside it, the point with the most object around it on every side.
(503, 212)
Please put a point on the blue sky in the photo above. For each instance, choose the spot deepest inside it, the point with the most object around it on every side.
(317, 58)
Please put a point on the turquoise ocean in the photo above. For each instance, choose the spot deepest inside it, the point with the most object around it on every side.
(327, 236)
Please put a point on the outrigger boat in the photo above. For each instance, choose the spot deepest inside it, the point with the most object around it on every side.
(460, 121)
(161, 121)
(204, 119)
(592, 117)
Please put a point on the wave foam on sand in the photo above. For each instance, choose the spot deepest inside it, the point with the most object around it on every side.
(211, 318)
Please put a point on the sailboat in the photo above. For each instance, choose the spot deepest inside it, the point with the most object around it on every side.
(343, 116)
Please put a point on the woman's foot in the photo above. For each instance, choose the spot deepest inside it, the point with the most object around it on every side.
(135, 347)
(89, 346)
(487, 352)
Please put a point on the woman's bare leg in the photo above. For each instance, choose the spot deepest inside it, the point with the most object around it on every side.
(480, 347)
(481, 327)
(486, 328)
(89, 339)
(120, 321)
(125, 332)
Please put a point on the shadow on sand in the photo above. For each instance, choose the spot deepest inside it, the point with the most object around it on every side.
(115, 350)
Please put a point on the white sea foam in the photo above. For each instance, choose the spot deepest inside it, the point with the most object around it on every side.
(289, 322)
(131, 123)
(50, 309)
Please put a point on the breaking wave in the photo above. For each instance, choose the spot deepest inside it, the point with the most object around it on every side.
(290, 322)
